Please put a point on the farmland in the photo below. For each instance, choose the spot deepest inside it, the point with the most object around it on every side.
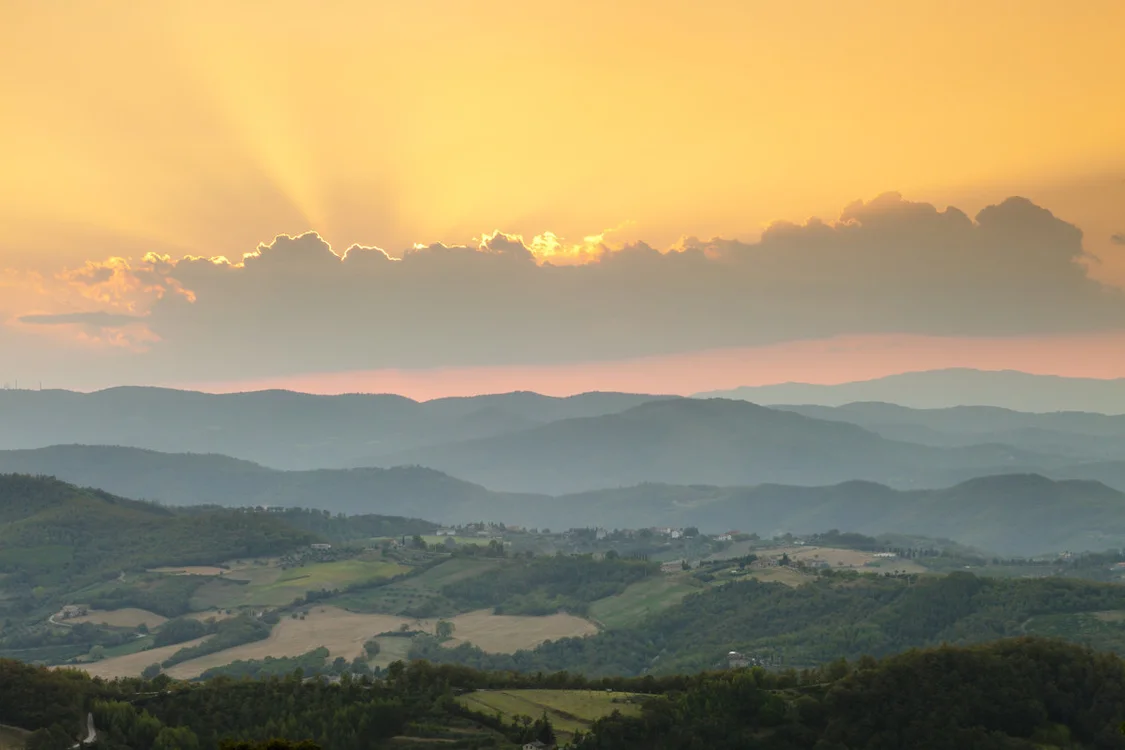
(343, 633)
(129, 617)
(570, 711)
(133, 664)
(419, 594)
(269, 585)
(641, 600)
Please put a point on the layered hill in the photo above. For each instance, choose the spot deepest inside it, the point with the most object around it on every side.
(195, 479)
(1082, 436)
(935, 389)
(54, 529)
(712, 441)
(282, 429)
(1019, 514)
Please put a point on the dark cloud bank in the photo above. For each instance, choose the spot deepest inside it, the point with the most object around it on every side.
(887, 266)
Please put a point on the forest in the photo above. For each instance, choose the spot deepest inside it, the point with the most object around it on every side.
(839, 614)
(1014, 694)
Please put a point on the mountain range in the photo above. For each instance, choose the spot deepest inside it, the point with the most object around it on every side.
(282, 429)
(936, 389)
(1018, 514)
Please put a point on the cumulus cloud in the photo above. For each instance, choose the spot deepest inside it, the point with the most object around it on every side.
(885, 266)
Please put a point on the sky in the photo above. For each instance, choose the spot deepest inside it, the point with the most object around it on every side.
(443, 197)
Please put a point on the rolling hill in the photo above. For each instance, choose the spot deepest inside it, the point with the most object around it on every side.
(282, 429)
(712, 441)
(51, 530)
(1012, 514)
(194, 479)
(1083, 436)
(937, 389)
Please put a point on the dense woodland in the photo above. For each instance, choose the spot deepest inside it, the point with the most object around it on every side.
(1018, 694)
(840, 614)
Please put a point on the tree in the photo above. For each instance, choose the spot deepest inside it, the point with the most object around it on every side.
(97, 653)
(151, 672)
(372, 648)
(52, 738)
(444, 630)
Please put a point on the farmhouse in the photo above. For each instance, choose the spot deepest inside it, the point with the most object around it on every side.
(726, 536)
(72, 610)
(321, 546)
(535, 745)
(672, 566)
(885, 554)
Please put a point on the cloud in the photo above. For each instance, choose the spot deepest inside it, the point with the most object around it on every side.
(1118, 239)
(887, 265)
(98, 319)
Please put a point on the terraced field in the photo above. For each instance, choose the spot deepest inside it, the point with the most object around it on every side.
(570, 711)
(642, 600)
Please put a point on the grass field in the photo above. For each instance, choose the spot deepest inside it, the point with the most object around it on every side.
(270, 586)
(11, 738)
(641, 600)
(130, 617)
(421, 593)
(570, 711)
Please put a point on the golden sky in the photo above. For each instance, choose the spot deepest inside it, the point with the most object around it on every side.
(204, 128)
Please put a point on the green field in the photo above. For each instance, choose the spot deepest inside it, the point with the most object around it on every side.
(132, 647)
(418, 595)
(271, 586)
(570, 711)
(641, 600)
(11, 738)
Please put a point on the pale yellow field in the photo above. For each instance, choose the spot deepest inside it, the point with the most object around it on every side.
(847, 558)
(129, 617)
(504, 634)
(191, 570)
(131, 665)
(343, 633)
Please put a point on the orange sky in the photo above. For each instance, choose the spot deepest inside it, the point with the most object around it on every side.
(204, 128)
(829, 362)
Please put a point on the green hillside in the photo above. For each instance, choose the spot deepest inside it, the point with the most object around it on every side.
(55, 537)
(832, 616)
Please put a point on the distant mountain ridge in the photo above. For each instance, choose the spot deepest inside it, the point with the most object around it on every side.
(707, 441)
(283, 429)
(936, 389)
(1012, 514)
(1081, 435)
